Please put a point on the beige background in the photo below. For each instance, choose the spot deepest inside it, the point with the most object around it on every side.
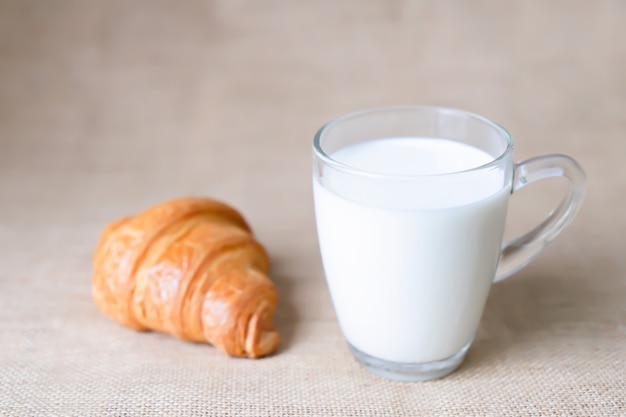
(109, 107)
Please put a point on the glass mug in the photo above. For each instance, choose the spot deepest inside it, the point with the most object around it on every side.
(410, 206)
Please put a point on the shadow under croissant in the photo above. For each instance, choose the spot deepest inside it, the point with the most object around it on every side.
(534, 307)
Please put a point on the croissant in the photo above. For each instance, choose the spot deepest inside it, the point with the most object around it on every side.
(192, 269)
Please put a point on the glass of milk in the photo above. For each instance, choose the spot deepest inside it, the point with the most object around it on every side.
(410, 205)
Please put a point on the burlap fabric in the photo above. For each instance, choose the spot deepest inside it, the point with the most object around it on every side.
(109, 107)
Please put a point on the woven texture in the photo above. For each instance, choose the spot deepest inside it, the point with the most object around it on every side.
(108, 107)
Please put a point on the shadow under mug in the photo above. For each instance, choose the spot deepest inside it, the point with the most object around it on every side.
(410, 254)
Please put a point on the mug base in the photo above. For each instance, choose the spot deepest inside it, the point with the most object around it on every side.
(409, 372)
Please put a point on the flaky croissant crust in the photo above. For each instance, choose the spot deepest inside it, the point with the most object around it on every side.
(190, 268)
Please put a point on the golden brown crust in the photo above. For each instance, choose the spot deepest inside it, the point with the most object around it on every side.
(190, 268)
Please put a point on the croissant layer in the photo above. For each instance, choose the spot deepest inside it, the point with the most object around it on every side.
(190, 268)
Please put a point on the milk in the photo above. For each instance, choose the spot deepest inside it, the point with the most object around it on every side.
(409, 261)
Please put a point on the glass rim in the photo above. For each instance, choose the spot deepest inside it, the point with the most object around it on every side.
(328, 160)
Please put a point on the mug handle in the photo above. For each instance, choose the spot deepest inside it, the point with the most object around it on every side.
(519, 252)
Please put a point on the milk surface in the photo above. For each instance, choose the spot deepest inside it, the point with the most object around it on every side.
(409, 261)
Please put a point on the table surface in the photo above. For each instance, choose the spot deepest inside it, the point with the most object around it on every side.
(107, 108)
